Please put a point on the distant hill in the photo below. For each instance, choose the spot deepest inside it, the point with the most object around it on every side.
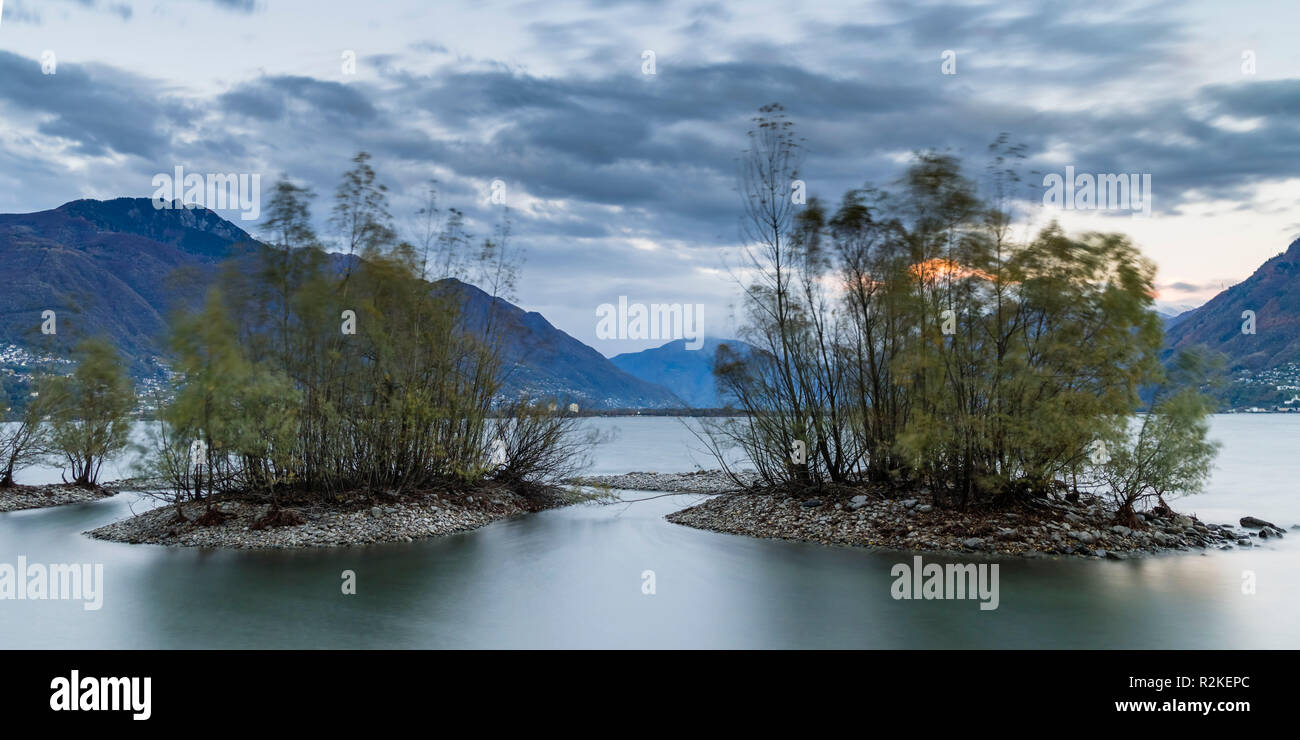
(547, 363)
(1170, 318)
(114, 268)
(118, 268)
(689, 373)
(1273, 294)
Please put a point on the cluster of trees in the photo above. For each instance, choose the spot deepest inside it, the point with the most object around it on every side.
(79, 420)
(319, 374)
(906, 336)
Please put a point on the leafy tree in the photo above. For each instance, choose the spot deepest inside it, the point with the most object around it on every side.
(24, 440)
(319, 375)
(90, 410)
(241, 419)
(1167, 450)
(952, 355)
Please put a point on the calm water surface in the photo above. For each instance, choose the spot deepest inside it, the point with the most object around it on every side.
(572, 578)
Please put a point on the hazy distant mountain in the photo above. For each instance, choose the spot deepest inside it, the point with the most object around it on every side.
(118, 268)
(1272, 293)
(1172, 313)
(688, 373)
(547, 363)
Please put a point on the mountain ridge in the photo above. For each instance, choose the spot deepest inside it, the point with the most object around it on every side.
(689, 373)
(1272, 294)
(119, 267)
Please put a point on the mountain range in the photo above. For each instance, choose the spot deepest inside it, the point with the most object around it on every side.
(687, 372)
(1255, 323)
(117, 268)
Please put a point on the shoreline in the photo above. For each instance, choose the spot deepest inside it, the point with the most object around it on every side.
(916, 525)
(361, 523)
(24, 498)
(872, 519)
(698, 481)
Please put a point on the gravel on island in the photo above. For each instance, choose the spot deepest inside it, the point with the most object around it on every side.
(20, 497)
(402, 520)
(915, 524)
(699, 481)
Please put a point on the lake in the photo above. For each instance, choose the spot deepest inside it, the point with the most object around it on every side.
(572, 578)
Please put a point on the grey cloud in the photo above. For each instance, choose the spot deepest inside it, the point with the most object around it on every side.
(97, 109)
(238, 6)
(663, 149)
(274, 98)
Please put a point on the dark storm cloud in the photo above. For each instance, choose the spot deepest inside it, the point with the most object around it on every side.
(1048, 26)
(95, 109)
(275, 98)
(1185, 150)
(663, 149)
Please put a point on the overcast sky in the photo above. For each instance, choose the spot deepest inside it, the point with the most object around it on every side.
(623, 183)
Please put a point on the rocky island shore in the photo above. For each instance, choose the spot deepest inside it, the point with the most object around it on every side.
(1082, 529)
(240, 524)
(699, 481)
(20, 497)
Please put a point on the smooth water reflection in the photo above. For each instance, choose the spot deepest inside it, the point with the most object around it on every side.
(572, 578)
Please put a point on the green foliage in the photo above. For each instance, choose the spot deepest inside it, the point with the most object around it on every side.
(944, 352)
(538, 443)
(237, 420)
(1167, 451)
(25, 440)
(325, 374)
(89, 409)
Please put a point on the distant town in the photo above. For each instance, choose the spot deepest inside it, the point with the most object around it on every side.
(19, 366)
(1272, 391)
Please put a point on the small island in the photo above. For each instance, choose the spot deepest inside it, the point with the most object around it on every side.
(314, 398)
(910, 521)
(243, 524)
(19, 497)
